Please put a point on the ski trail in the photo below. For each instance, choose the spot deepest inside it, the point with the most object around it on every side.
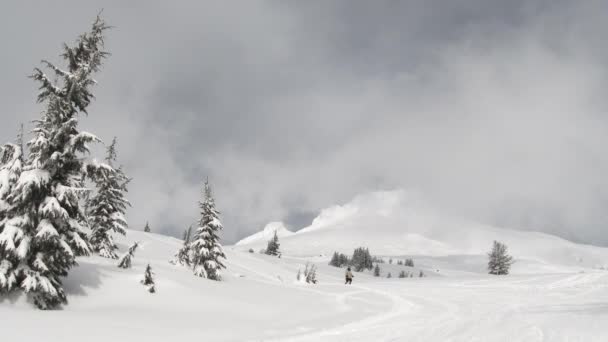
(398, 306)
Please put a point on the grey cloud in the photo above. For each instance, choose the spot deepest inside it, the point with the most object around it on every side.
(493, 110)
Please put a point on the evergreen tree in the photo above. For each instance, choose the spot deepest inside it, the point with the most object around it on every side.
(409, 262)
(311, 277)
(147, 227)
(107, 208)
(310, 273)
(184, 253)
(148, 280)
(362, 259)
(125, 260)
(343, 259)
(43, 229)
(206, 249)
(389, 275)
(335, 260)
(376, 271)
(11, 162)
(421, 274)
(273, 245)
(499, 262)
(187, 234)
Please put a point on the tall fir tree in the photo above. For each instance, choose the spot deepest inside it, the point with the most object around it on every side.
(206, 249)
(147, 227)
(43, 233)
(107, 208)
(273, 245)
(500, 261)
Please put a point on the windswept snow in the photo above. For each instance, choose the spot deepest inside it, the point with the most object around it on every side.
(266, 234)
(397, 223)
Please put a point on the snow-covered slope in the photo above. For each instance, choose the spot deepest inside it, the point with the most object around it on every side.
(266, 234)
(395, 223)
(259, 300)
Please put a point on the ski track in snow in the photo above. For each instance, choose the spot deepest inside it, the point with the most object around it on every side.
(415, 317)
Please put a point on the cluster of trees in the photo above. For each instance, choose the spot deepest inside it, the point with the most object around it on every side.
(407, 262)
(339, 260)
(309, 276)
(361, 260)
(58, 203)
(402, 274)
(203, 252)
(46, 208)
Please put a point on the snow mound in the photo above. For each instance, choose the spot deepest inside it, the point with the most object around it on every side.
(266, 234)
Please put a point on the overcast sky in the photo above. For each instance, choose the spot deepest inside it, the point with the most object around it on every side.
(493, 110)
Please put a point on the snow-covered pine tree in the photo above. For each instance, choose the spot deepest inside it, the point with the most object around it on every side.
(206, 248)
(376, 271)
(311, 274)
(125, 260)
(389, 275)
(106, 209)
(148, 280)
(11, 163)
(147, 227)
(273, 245)
(402, 274)
(421, 274)
(43, 231)
(183, 255)
(499, 262)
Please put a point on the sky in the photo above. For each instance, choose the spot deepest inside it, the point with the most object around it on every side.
(491, 110)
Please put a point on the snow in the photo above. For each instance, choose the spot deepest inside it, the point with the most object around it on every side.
(266, 234)
(397, 223)
(555, 294)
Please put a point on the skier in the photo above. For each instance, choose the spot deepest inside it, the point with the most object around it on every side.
(349, 276)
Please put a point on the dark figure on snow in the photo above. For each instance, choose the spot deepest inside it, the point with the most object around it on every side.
(349, 276)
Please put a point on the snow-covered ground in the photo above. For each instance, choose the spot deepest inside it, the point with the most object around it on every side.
(555, 294)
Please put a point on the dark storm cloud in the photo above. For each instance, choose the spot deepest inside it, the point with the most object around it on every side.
(492, 109)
